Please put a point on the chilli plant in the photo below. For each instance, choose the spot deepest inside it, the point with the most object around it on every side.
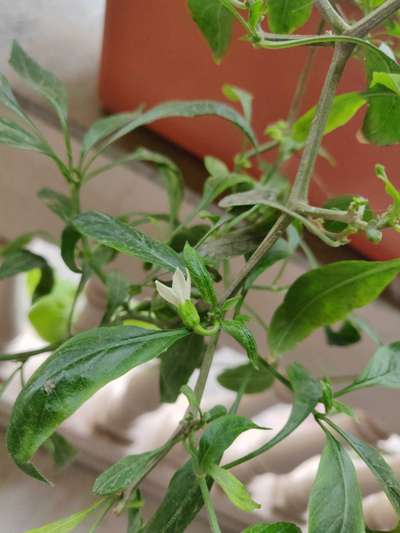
(188, 295)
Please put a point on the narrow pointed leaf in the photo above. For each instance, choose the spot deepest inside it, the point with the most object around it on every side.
(69, 377)
(200, 275)
(125, 239)
(233, 488)
(326, 295)
(241, 333)
(278, 527)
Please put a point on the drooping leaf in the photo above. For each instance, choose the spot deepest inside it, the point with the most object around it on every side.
(307, 393)
(335, 500)
(258, 380)
(69, 377)
(200, 275)
(219, 435)
(57, 202)
(376, 463)
(103, 127)
(241, 333)
(278, 527)
(69, 239)
(326, 295)
(233, 488)
(125, 239)
(214, 22)
(127, 472)
(65, 525)
(177, 364)
(383, 370)
(286, 16)
(346, 335)
(188, 109)
(40, 79)
(344, 108)
(62, 451)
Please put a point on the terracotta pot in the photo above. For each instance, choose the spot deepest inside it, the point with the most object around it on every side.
(153, 52)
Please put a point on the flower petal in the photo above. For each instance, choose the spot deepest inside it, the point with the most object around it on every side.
(167, 293)
(179, 286)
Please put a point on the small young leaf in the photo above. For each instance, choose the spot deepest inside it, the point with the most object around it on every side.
(383, 370)
(344, 107)
(278, 527)
(11, 134)
(376, 463)
(65, 525)
(57, 202)
(343, 203)
(219, 435)
(335, 500)
(307, 393)
(244, 337)
(257, 380)
(233, 488)
(8, 99)
(72, 374)
(346, 335)
(40, 79)
(236, 94)
(62, 451)
(127, 472)
(391, 191)
(286, 17)
(200, 275)
(122, 237)
(177, 364)
(215, 23)
(215, 167)
(326, 295)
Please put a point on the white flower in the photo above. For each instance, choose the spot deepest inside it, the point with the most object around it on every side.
(179, 293)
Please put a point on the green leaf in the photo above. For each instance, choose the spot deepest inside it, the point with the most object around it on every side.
(280, 250)
(376, 463)
(278, 527)
(177, 364)
(257, 380)
(170, 174)
(123, 238)
(233, 488)
(241, 333)
(188, 109)
(307, 393)
(383, 370)
(49, 315)
(62, 451)
(381, 121)
(181, 503)
(200, 275)
(24, 261)
(215, 186)
(127, 472)
(387, 79)
(57, 202)
(65, 525)
(69, 239)
(344, 107)
(104, 127)
(346, 335)
(236, 94)
(8, 99)
(219, 435)
(72, 374)
(117, 292)
(214, 22)
(11, 134)
(215, 167)
(392, 191)
(335, 500)
(326, 295)
(40, 79)
(285, 16)
(134, 506)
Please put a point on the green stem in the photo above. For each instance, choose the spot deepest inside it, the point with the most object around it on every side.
(205, 368)
(24, 356)
(209, 505)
